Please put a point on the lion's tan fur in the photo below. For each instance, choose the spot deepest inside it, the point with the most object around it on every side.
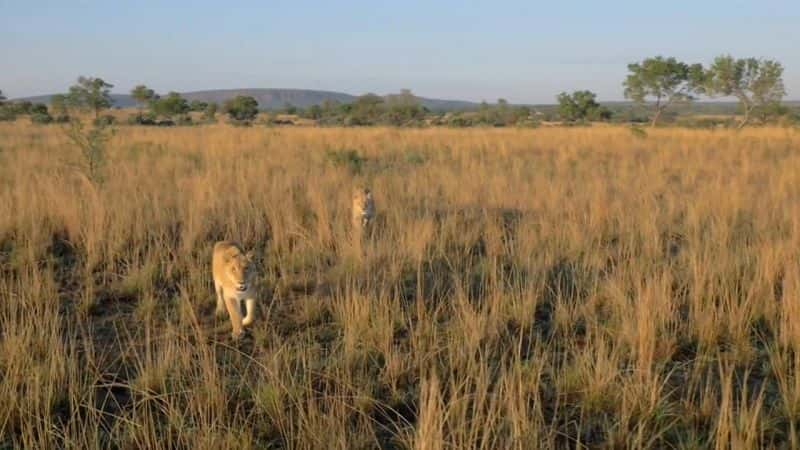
(363, 209)
(233, 283)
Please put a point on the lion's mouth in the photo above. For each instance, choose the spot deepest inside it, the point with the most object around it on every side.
(241, 287)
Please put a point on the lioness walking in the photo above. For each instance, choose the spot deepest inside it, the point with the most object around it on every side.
(233, 274)
(363, 210)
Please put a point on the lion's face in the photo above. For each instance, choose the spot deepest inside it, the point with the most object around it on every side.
(362, 198)
(238, 270)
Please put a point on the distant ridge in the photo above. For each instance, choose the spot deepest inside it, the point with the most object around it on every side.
(272, 99)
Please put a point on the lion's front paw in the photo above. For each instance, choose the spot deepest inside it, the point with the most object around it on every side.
(219, 312)
(238, 334)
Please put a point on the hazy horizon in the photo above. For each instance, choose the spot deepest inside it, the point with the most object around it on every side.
(525, 53)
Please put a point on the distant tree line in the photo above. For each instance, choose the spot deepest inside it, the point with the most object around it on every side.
(90, 94)
(656, 86)
(170, 109)
(403, 109)
(406, 110)
(173, 109)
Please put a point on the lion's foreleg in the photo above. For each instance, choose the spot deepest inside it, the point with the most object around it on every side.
(220, 300)
(250, 307)
(235, 313)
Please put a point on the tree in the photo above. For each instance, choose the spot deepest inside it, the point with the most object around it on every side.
(143, 95)
(38, 108)
(58, 103)
(198, 105)
(39, 114)
(581, 105)
(241, 108)
(7, 112)
(23, 107)
(506, 115)
(314, 112)
(365, 110)
(756, 83)
(666, 79)
(92, 143)
(211, 111)
(289, 108)
(91, 93)
(170, 105)
(403, 108)
(772, 110)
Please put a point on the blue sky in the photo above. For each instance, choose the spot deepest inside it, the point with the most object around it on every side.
(524, 51)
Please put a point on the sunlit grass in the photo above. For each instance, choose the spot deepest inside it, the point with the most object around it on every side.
(548, 288)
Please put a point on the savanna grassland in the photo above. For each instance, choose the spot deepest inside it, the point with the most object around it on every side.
(546, 288)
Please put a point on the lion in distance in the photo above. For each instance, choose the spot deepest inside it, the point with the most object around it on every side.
(363, 210)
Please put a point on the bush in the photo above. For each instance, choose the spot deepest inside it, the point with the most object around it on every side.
(705, 122)
(21, 107)
(7, 114)
(794, 117)
(210, 113)
(92, 144)
(529, 123)
(458, 121)
(104, 121)
(38, 108)
(170, 106)
(244, 123)
(142, 119)
(61, 118)
(41, 118)
(198, 105)
(242, 108)
(638, 132)
(415, 158)
(347, 158)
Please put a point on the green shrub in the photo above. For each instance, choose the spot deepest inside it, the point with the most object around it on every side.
(415, 158)
(7, 114)
(41, 118)
(638, 132)
(242, 108)
(347, 158)
(142, 119)
(104, 121)
(459, 121)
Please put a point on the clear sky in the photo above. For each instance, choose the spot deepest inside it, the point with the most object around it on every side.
(524, 51)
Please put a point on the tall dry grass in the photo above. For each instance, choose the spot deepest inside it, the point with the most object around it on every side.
(551, 288)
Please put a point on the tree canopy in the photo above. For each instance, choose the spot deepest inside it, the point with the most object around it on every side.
(59, 103)
(756, 83)
(198, 105)
(581, 105)
(170, 105)
(666, 80)
(142, 94)
(90, 93)
(242, 108)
